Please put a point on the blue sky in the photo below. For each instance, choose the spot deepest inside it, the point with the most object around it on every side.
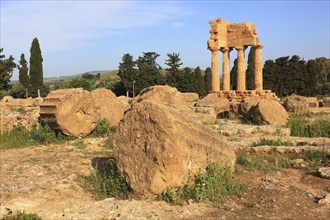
(81, 36)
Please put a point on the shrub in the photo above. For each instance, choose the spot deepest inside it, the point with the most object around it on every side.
(106, 182)
(17, 91)
(3, 93)
(21, 215)
(270, 142)
(103, 128)
(215, 184)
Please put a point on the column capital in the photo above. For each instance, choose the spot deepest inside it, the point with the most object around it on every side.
(240, 48)
(258, 46)
(224, 49)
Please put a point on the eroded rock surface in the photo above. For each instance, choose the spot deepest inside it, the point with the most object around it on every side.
(167, 95)
(219, 104)
(110, 107)
(296, 103)
(157, 147)
(269, 112)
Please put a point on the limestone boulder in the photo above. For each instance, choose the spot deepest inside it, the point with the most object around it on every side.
(166, 95)
(326, 102)
(18, 112)
(213, 100)
(156, 147)
(324, 172)
(269, 111)
(313, 102)
(126, 102)
(246, 105)
(110, 107)
(296, 104)
(72, 112)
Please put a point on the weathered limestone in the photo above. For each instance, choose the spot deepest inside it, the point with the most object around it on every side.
(226, 68)
(241, 81)
(215, 71)
(226, 36)
(258, 67)
(158, 147)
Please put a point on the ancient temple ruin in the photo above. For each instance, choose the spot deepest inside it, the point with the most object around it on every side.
(225, 37)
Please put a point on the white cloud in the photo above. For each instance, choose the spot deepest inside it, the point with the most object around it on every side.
(62, 25)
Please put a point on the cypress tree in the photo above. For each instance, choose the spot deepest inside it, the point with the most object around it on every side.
(199, 83)
(208, 79)
(23, 73)
(250, 70)
(36, 70)
(233, 76)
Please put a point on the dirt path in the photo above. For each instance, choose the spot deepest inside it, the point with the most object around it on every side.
(44, 180)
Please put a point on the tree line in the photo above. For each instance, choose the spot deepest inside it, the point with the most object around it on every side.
(284, 75)
(145, 71)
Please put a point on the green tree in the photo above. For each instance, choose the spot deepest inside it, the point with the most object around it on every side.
(311, 78)
(198, 82)
(79, 83)
(88, 76)
(127, 72)
(17, 91)
(250, 70)
(148, 71)
(208, 79)
(173, 72)
(6, 70)
(233, 76)
(36, 70)
(269, 78)
(23, 74)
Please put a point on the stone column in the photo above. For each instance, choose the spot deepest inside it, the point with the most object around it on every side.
(225, 68)
(258, 67)
(241, 81)
(215, 71)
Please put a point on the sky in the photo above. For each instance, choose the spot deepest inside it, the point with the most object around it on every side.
(81, 36)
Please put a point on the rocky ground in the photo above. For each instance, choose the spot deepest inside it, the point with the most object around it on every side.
(45, 180)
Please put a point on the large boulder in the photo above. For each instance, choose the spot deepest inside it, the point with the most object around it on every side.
(213, 100)
(72, 112)
(326, 102)
(110, 107)
(167, 95)
(296, 104)
(246, 105)
(156, 147)
(269, 111)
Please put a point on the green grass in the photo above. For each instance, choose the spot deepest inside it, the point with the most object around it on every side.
(263, 162)
(303, 126)
(270, 142)
(106, 182)
(21, 137)
(20, 215)
(216, 184)
(275, 161)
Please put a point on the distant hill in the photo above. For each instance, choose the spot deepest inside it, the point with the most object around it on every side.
(61, 78)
